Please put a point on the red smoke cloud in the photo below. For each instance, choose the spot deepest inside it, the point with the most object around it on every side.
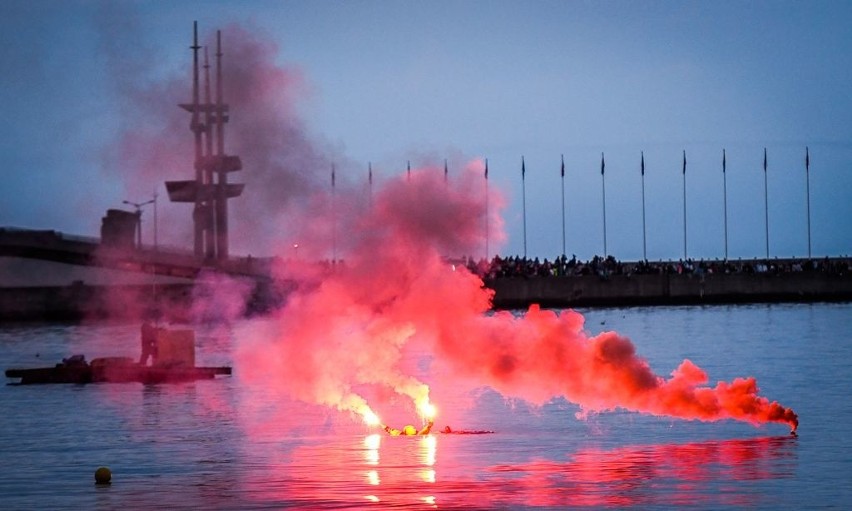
(543, 355)
(349, 327)
(344, 330)
(346, 327)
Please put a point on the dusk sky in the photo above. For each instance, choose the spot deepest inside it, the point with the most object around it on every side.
(386, 82)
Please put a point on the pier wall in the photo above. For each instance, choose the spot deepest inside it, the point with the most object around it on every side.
(171, 302)
(669, 289)
(83, 302)
(177, 301)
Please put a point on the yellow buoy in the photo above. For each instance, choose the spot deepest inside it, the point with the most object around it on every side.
(103, 475)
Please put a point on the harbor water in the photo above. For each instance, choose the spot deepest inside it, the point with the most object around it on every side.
(230, 443)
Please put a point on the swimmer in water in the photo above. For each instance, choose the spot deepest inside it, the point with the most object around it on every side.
(409, 430)
(450, 431)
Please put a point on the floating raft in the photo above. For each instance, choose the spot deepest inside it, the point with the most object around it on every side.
(174, 362)
(113, 370)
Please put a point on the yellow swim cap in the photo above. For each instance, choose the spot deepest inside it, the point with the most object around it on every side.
(409, 430)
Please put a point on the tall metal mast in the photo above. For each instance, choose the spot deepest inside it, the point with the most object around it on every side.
(198, 214)
(210, 190)
(209, 217)
(221, 168)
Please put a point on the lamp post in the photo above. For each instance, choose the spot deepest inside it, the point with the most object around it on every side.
(139, 206)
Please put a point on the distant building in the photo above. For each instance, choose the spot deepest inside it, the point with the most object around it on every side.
(118, 228)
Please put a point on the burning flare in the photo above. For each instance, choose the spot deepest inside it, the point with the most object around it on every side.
(370, 417)
(427, 410)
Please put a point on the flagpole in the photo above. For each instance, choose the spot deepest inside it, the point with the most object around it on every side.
(563, 205)
(603, 201)
(684, 206)
(370, 182)
(766, 202)
(725, 198)
(524, 200)
(808, 188)
(333, 221)
(486, 210)
(644, 239)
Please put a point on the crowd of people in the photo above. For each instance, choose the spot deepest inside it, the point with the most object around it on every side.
(515, 266)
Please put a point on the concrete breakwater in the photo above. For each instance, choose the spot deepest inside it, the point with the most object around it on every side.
(79, 302)
(669, 289)
(181, 301)
(45, 275)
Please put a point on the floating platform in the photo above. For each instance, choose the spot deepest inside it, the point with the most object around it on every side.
(173, 353)
(113, 370)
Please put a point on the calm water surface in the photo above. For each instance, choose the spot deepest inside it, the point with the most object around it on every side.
(225, 444)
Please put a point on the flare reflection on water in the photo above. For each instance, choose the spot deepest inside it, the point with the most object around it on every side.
(664, 474)
(436, 471)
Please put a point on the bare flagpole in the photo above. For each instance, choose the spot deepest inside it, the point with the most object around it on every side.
(486, 210)
(524, 198)
(684, 206)
(725, 198)
(333, 220)
(644, 238)
(370, 182)
(808, 187)
(766, 201)
(563, 205)
(603, 201)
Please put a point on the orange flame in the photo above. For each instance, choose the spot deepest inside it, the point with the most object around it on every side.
(427, 410)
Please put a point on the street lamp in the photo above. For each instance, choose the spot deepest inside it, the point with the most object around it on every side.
(138, 206)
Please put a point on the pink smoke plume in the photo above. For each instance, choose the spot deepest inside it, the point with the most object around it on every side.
(393, 286)
(543, 355)
(397, 288)
(346, 326)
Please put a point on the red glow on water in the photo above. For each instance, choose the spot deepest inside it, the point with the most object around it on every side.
(418, 472)
(640, 475)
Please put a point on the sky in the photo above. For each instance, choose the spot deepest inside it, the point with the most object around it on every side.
(90, 92)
